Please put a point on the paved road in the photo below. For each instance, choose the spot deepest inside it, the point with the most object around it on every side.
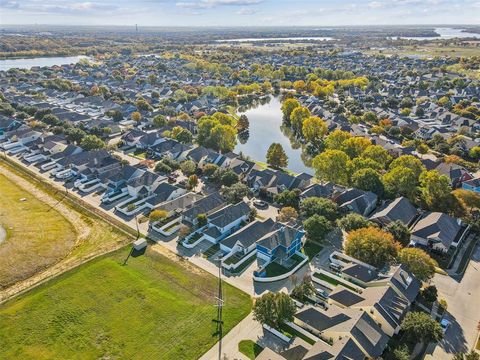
(463, 298)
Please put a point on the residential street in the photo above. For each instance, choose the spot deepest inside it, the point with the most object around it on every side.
(463, 310)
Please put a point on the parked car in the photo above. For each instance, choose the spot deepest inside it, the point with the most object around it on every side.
(260, 204)
(445, 324)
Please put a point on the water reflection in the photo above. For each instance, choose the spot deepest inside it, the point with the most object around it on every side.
(266, 127)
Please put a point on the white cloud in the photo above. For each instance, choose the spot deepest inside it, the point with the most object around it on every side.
(246, 11)
(376, 5)
(208, 4)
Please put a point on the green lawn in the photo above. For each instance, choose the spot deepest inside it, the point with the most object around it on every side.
(249, 348)
(332, 281)
(275, 269)
(152, 308)
(291, 332)
(37, 235)
(311, 249)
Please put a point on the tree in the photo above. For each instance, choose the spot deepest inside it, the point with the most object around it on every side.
(273, 309)
(210, 169)
(399, 231)
(435, 189)
(352, 221)
(321, 206)
(136, 116)
(202, 220)
(188, 167)
(75, 134)
(287, 214)
(335, 139)
(371, 245)
(472, 355)
(276, 156)
(287, 107)
(378, 154)
(223, 138)
(181, 135)
(160, 121)
(331, 165)
(299, 114)
(370, 117)
(314, 129)
(92, 142)
(410, 162)
(368, 180)
(317, 227)
(288, 198)
(400, 181)
(192, 181)
(157, 215)
(420, 326)
(401, 353)
(430, 294)
(418, 262)
(355, 146)
(304, 290)
(228, 177)
(243, 123)
(235, 193)
(475, 153)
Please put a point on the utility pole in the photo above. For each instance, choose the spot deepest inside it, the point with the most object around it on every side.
(219, 305)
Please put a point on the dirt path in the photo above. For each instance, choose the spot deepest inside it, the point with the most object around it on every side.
(3, 234)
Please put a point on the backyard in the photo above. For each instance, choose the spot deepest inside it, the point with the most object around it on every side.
(155, 307)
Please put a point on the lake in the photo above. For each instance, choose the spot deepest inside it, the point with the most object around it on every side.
(28, 63)
(266, 128)
(445, 33)
(311, 38)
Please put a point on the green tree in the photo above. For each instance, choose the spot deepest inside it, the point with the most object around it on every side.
(276, 156)
(273, 309)
(304, 290)
(435, 190)
(243, 123)
(355, 146)
(192, 181)
(317, 227)
(378, 154)
(321, 206)
(331, 165)
(372, 245)
(188, 167)
(299, 114)
(418, 262)
(235, 193)
(335, 139)
(92, 142)
(475, 153)
(419, 326)
(430, 294)
(401, 353)
(401, 181)
(181, 135)
(314, 129)
(399, 231)
(368, 180)
(202, 220)
(287, 107)
(75, 134)
(157, 215)
(223, 138)
(288, 198)
(228, 177)
(370, 117)
(409, 162)
(352, 221)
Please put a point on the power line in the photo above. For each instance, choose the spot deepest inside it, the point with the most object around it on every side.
(219, 305)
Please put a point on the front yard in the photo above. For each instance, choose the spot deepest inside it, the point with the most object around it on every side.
(275, 269)
(152, 308)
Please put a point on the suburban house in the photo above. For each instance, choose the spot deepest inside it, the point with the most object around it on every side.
(438, 231)
(224, 221)
(280, 244)
(357, 201)
(163, 193)
(144, 185)
(456, 174)
(206, 206)
(337, 324)
(400, 209)
(472, 185)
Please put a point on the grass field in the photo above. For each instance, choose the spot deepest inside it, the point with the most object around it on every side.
(37, 235)
(45, 229)
(249, 348)
(153, 308)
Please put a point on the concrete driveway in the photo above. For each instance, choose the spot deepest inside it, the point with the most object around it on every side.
(463, 298)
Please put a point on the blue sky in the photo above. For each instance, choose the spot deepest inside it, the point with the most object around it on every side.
(240, 12)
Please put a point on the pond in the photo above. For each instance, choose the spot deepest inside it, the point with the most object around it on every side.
(28, 63)
(445, 33)
(298, 38)
(266, 128)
